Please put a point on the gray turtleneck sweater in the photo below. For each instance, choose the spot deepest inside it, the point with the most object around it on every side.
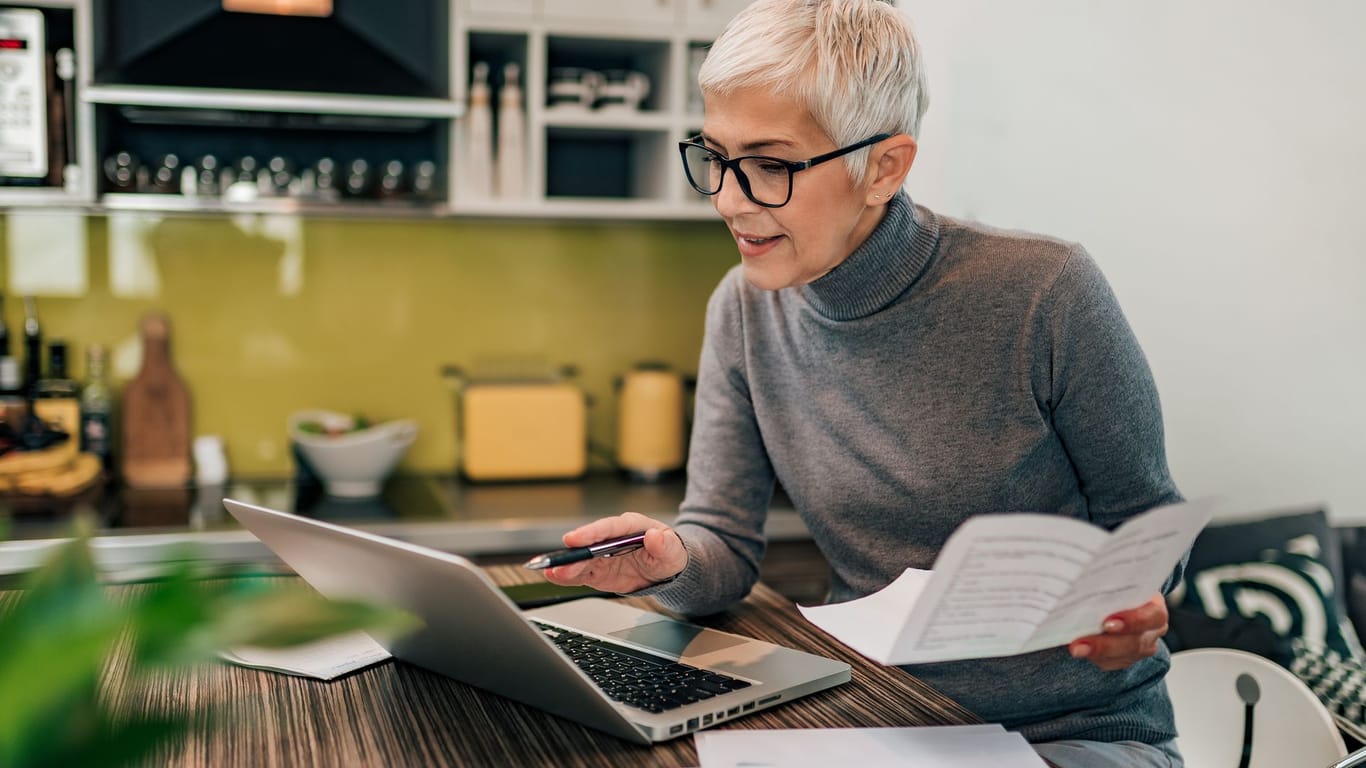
(944, 370)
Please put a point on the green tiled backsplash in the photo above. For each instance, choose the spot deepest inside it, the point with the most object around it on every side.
(269, 316)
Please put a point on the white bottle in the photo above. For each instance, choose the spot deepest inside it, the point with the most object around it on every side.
(477, 177)
(511, 136)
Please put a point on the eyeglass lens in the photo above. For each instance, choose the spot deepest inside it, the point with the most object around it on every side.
(765, 181)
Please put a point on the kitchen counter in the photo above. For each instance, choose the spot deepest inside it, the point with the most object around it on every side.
(489, 522)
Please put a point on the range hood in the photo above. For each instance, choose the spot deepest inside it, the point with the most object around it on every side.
(393, 47)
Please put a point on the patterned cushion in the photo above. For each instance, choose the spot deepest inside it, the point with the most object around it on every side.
(1292, 587)
(1248, 541)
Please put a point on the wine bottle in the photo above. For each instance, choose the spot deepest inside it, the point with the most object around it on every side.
(4, 330)
(56, 396)
(56, 384)
(13, 404)
(33, 346)
(97, 406)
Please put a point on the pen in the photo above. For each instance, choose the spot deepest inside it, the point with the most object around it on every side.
(608, 548)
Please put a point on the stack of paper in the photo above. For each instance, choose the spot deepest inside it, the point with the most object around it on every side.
(950, 745)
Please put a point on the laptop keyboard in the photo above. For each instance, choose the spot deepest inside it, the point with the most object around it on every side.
(636, 678)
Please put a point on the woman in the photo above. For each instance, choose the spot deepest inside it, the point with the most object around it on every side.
(898, 371)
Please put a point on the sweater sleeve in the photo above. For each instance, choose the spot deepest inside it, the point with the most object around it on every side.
(730, 479)
(1104, 402)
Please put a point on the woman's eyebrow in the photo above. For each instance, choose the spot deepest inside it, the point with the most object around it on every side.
(751, 146)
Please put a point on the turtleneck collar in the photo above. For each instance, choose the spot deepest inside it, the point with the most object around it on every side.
(882, 268)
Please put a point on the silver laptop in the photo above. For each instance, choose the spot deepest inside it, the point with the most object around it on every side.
(634, 674)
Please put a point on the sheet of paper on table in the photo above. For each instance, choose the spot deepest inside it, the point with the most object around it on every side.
(948, 745)
(325, 659)
(1015, 583)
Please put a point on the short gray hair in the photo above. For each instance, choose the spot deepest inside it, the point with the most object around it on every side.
(854, 63)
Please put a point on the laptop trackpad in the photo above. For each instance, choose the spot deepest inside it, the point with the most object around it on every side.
(679, 639)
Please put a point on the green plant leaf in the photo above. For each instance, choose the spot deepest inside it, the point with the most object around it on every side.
(57, 638)
(291, 616)
(53, 644)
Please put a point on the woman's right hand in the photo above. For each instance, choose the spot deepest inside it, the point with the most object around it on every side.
(662, 558)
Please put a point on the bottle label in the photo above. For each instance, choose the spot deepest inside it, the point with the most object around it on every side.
(95, 434)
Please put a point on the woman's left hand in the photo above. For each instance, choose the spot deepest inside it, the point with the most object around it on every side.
(1126, 637)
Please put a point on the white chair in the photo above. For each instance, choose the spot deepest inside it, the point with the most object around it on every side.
(1214, 690)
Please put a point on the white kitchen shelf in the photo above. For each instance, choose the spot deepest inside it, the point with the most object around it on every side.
(39, 197)
(159, 203)
(271, 101)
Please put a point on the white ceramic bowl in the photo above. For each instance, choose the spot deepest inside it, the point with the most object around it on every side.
(354, 463)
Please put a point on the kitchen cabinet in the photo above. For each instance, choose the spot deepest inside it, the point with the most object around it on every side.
(162, 124)
(44, 129)
(612, 160)
(177, 107)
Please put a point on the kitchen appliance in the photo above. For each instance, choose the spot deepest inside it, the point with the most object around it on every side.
(651, 421)
(521, 428)
(392, 48)
(23, 94)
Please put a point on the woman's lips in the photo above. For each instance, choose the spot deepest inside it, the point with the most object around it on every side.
(752, 246)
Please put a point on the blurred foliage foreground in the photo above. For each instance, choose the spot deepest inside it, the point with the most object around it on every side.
(57, 641)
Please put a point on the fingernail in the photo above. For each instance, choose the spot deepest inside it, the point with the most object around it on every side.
(1081, 651)
(1112, 625)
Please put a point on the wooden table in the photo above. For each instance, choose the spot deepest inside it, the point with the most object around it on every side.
(396, 714)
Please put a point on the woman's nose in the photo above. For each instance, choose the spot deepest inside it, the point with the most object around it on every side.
(732, 198)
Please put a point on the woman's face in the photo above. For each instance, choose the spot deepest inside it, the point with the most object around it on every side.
(827, 217)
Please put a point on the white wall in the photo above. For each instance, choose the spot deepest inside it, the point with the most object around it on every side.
(1211, 155)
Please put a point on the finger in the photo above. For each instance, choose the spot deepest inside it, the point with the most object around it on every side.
(1150, 615)
(610, 527)
(566, 575)
(1111, 652)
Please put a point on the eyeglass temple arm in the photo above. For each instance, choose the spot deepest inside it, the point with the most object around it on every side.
(818, 159)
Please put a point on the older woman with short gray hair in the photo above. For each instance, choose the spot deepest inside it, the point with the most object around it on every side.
(898, 371)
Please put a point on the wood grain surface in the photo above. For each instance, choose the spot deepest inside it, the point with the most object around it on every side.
(395, 714)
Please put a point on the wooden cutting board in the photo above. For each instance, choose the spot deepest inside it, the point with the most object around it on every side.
(156, 415)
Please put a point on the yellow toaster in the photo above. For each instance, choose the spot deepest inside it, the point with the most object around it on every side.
(520, 430)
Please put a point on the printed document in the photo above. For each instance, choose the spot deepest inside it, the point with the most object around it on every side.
(945, 745)
(324, 659)
(1015, 583)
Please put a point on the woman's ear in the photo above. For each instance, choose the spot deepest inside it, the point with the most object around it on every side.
(892, 160)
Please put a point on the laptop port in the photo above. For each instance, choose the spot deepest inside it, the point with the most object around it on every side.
(769, 700)
(748, 706)
(692, 723)
(706, 720)
(733, 711)
(675, 729)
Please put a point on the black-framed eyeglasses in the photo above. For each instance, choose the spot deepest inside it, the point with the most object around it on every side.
(766, 181)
